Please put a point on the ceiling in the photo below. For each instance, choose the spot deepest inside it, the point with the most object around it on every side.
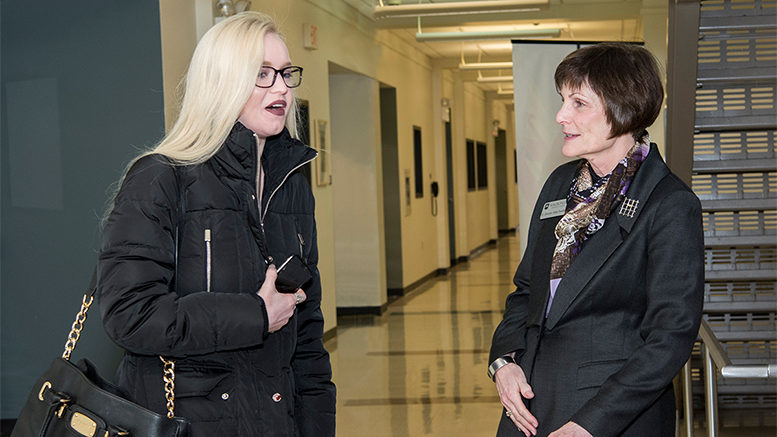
(579, 20)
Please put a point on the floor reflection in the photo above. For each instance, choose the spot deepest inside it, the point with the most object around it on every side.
(420, 368)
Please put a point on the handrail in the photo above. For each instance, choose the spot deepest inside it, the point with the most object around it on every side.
(719, 356)
(723, 362)
(716, 361)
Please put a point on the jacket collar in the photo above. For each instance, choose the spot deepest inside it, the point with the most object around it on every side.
(644, 182)
(282, 154)
(598, 249)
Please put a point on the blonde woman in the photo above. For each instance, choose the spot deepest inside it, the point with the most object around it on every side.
(188, 251)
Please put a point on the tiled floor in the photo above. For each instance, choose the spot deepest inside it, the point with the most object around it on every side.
(420, 368)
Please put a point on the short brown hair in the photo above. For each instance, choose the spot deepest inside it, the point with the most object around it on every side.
(624, 76)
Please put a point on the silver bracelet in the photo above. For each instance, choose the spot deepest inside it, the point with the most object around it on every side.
(498, 364)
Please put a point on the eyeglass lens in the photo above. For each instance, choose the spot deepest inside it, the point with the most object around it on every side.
(292, 76)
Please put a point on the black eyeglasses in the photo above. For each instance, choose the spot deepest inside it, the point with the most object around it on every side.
(292, 76)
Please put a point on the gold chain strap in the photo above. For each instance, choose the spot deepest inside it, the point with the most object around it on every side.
(169, 378)
(75, 334)
(78, 325)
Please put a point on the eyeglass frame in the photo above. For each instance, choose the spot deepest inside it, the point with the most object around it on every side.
(277, 72)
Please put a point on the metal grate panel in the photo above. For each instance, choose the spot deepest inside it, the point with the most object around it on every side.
(763, 351)
(764, 322)
(740, 291)
(741, 258)
(749, 353)
(728, 53)
(748, 401)
(739, 223)
(734, 414)
(715, 100)
(736, 8)
(734, 145)
(731, 186)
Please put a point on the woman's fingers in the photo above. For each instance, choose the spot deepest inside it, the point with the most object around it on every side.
(513, 388)
(280, 307)
(270, 275)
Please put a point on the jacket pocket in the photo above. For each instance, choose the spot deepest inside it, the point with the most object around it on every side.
(277, 398)
(204, 394)
(594, 373)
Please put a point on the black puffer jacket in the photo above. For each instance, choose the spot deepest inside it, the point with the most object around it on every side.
(232, 378)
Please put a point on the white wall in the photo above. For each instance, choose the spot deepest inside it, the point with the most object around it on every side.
(481, 205)
(360, 275)
(501, 110)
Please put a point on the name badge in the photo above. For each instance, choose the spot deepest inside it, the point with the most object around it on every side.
(553, 209)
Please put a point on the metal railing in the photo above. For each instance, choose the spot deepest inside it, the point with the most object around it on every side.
(715, 361)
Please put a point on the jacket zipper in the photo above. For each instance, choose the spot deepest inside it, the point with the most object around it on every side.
(207, 259)
(262, 214)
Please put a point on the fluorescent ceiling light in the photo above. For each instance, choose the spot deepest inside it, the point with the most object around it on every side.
(493, 79)
(496, 34)
(486, 66)
(464, 7)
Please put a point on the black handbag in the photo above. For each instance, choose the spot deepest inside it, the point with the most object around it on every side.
(73, 400)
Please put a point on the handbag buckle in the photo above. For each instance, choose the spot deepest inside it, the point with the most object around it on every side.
(63, 404)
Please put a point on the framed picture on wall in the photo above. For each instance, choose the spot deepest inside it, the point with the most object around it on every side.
(323, 166)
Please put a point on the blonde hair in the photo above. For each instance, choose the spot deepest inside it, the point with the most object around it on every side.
(221, 77)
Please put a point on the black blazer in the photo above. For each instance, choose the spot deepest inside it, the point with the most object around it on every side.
(624, 317)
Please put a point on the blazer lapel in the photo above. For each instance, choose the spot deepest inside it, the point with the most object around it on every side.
(542, 256)
(598, 248)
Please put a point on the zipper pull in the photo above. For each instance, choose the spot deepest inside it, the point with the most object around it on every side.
(207, 260)
(301, 245)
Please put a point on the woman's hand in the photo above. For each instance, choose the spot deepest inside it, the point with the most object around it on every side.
(279, 306)
(571, 429)
(513, 388)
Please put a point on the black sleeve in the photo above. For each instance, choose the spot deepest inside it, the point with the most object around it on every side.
(136, 267)
(315, 403)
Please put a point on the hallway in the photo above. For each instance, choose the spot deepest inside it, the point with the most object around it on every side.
(420, 368)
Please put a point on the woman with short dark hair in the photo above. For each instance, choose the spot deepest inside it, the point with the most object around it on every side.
(609, 291)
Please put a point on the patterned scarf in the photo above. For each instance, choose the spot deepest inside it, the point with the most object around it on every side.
(589, 203)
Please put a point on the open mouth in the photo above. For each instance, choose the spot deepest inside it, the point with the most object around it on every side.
(277, 107)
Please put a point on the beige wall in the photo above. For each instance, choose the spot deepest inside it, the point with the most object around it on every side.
(513, 211)
(177, 26)
(500, 108)
(350, 40)
(479, 202)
